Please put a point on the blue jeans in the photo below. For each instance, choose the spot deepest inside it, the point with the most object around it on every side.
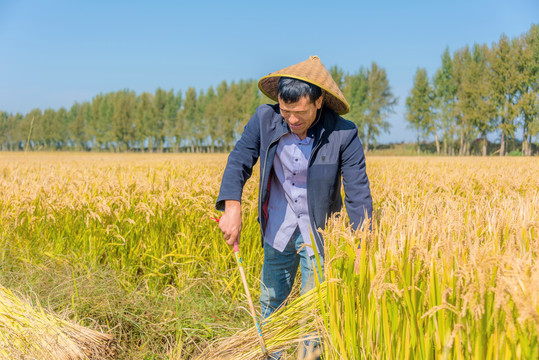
(278, 274)
(279, 271)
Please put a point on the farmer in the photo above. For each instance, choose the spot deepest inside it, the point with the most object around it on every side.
(304, 147)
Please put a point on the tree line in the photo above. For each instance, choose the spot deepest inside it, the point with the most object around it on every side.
(477, 92)
(197, 121)
(124, 121)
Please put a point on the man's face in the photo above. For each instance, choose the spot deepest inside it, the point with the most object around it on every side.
(300, 115)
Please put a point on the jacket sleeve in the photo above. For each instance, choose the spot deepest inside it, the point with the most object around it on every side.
(240, 164)
(357, 192)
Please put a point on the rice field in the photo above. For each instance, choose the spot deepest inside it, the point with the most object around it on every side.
(125, 245)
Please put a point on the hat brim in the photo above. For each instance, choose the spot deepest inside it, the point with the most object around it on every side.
(268, 86)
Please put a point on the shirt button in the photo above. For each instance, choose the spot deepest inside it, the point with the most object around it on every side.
(296, 200)
(293, 184)
(297, 159)
(294, 174)
(299, 216)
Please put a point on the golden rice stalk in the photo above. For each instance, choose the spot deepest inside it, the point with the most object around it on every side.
(28, 333)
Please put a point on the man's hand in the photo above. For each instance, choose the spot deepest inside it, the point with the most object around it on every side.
(230, 222)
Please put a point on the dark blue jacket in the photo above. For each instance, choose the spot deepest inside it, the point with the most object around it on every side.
(336, 151)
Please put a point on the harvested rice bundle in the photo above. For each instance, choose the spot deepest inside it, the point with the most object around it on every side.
(284, 330)
(28, 333)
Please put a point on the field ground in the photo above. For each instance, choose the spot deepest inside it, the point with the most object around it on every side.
(125, 244)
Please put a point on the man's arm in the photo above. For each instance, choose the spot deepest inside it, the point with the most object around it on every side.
(358, 198)
(238, 170)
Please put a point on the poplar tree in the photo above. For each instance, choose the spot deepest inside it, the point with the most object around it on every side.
(29, 128)
(123, 119)
(356, 92)
(47, 129)
(248, 99)
(221, 131)
(231, 114)
(99, 123)
(504, 85)
(172, 108)
(528, 103)
(381, 102)
(157, 129)
(212, 118)
(78, 118)
(188, 117)
(338, 75)
(62, 121)
(465, 101)
(201, 125)
(144, 116)
(4, 130)
(445, 89)
(12, 132)
(481, 110)
(419, 108)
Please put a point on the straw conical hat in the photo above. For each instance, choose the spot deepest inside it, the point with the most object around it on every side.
(312, 71)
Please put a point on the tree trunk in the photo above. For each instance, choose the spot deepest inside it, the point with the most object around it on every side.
(502, 145)
(437, 143)
(525, 141)
(484, 144)
(462, 145)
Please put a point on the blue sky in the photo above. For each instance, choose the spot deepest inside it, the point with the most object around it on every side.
(53, 53)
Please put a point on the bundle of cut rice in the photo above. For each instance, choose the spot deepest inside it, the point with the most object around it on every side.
(287, 328)
(29, 333)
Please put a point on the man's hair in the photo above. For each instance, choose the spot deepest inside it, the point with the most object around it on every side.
(291, 90)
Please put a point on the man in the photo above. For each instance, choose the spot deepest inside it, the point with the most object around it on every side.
(304, 147)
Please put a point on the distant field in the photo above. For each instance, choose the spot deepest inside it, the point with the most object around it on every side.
(125, 244)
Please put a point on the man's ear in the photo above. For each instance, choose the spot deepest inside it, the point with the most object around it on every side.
(318, 102)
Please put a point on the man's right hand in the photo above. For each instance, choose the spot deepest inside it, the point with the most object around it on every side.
(230, 222)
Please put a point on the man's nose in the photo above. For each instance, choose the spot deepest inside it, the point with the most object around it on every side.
(292, 119)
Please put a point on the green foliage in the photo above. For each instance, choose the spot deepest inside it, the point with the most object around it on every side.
(380, 100)
(370, 97)
(445, 88)
(196, 121)
(489, 91)
(419, 105)
(338, 75)
(120, 121)
(356, 90)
